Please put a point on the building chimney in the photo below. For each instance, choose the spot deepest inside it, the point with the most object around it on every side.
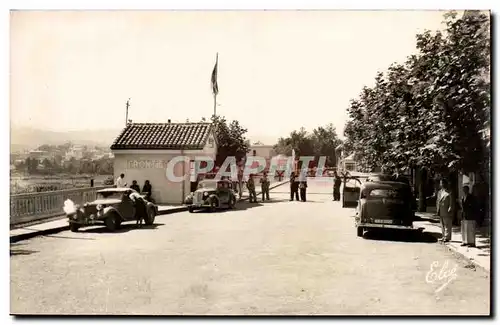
(168, 121)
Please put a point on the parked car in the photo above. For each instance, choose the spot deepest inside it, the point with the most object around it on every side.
(112, 207)
(394, 178)
(213, 194)
(384, 205)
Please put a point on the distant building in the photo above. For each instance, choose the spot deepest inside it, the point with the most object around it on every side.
(259, 149)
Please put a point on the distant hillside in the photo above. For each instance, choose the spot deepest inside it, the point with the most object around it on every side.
(30, 138)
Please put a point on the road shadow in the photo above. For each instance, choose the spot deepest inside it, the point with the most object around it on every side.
(15, 250)
(123, 228)
(408, 236)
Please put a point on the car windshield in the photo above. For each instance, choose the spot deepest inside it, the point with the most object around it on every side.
(207, 185)
(109, 195)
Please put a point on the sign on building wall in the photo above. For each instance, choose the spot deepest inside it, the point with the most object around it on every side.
(147, 164)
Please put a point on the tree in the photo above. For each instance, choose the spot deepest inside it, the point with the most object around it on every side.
(321, 142)
(231, 140)
(429, 112)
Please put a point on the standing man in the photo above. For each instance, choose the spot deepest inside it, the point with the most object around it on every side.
(120, 181)
(444, 211)
(294, 187)
(251, 189)
(264, 185)
(469, 214)
(240, 181)
(337, 182)
(303, 185)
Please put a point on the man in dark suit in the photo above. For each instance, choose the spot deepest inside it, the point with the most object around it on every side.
(294, 187)
(469, 215)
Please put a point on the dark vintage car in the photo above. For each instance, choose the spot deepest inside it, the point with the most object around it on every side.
(378, 178)
(112, 207)
(384, 205)
(212, 194)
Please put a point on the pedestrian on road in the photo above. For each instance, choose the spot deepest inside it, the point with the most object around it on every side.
(135, 187)
(264, 185)
(444, 211)
(337, 182)
(303, 185)
(120, 181)
(469, 212)
(251, 189)
(294, 187)
(240, 182)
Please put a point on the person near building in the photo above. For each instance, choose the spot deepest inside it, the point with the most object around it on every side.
(148, 190)
(469, 215)
(120, 181)
(135, 187)
(294, 187)
(337, 182)
(444, 211)
(251, 189)
(264, 185)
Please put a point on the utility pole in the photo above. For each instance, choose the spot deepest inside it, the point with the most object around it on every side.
(126, 116)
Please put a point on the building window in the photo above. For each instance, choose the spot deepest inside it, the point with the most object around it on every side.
(254, 152)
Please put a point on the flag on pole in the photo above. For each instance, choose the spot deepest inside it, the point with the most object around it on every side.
(215, 86)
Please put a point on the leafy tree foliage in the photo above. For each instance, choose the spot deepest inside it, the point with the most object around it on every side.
(231, 140)
(321, 142)
(430, 110)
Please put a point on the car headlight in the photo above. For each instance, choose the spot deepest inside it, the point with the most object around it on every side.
(205, 193)
(99, 207)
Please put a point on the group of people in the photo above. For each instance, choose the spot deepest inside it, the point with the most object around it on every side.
(147, 189)
(468, 204)
(265, 184)
(298, 184)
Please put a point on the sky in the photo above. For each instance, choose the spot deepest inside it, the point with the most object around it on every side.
(278, 70)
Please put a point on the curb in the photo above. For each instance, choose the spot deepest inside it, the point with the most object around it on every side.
(460, 255)
(173, 210)
(50, 231)
(270, 188)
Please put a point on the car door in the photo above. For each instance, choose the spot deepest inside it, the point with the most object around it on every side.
(127, 207)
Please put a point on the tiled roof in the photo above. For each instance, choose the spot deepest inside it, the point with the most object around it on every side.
(163, 136)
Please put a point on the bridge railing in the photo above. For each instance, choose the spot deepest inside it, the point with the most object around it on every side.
(29, 207)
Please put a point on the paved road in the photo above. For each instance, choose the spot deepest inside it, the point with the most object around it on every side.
(277, 258)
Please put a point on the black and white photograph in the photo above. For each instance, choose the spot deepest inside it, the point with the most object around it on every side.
(250, 162)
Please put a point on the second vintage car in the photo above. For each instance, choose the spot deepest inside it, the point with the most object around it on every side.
(112, 207)
(213, 195)
(384, 205)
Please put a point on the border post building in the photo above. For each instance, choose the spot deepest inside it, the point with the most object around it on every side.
(142, 152)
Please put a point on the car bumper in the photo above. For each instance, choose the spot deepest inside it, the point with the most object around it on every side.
(387, 226)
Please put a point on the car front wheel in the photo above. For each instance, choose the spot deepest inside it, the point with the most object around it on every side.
(73, 227)
(213, 205)
(232, 202)
(359, 231)
(112, 223)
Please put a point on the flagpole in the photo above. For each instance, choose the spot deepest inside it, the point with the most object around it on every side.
(126, 115)
(215, 105)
